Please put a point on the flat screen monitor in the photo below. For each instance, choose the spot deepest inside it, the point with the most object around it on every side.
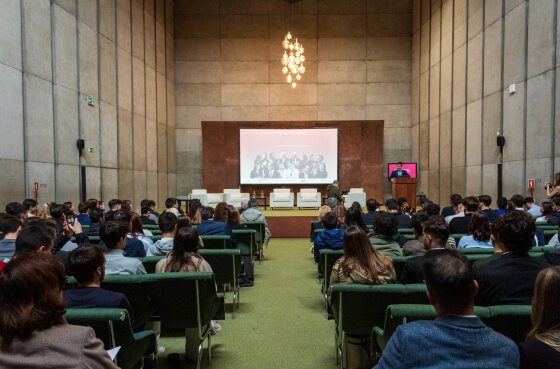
(410, 168)
(288, 156)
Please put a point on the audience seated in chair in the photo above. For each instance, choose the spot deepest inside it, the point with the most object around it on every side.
(449, 210)
(31, 206)
(234, 222)
(456, 338)
(458, 209)
(555, 218)
(354, 218)
(330, 238)
(385, 227)
(547, 210)
(66, 230)
(97, 216)
(138, 233)
(478, 234)
(173, 203)
(432, 209)
(167, 223)
(485, 202)
(211, 227)
(145, 217)
(114, 205)
(552, 257)
(531, 207)
(254, 214)
(16, 209)
(10, 227)
(113, 234)
(340, 212)
(371, 207)
(87, 265)
(516, 202)
(84, 210)
(510, 278)
(321, 213)
(542, 348)
(134, 247)
(416, 246)
(361, 263)
(460, 225)
(33, 331)
(502, 205)
(436, 232)
(393, 209)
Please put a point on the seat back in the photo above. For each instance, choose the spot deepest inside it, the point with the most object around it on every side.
(150, 263)
(131, 287)
(216, 241)
(513, 321)
(327, 259)
(111, 326)
(245, 240)
(358, 308)
(199, 192)
(259, 230)
(308, 193)
(281, 193)
(356, 190)
(184, 300)
(232, 190)
(398, 264)
(477, 250)
(226, 264)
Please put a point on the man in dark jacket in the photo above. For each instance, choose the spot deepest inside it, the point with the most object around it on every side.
(393, 209)
(460, 225)
(211, 227)
(333, 190)
(330, 238)
(97, 217)
(371, 206)
(145, 217)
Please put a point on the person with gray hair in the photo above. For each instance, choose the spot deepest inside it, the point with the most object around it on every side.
(253, 214)
(333, 190)
(244, 206)
(331, 202)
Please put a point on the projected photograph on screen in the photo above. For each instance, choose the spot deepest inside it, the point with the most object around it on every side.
(288, 156)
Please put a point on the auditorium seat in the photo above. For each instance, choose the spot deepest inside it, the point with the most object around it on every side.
(233, 196)
(281, 198)
(216, 241)
(308, 198)
(356, 194)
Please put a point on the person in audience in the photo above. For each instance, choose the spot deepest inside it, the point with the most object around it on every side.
(385, 227)
(553, 191)
(254, 214)
(542, 348)
(333, 190)
(456, 338)
(46, 212)
(154, 214)
(244, 206)
(31, 207)
(101, 205)
(531, 207)
(133, 247)
(433, 210)
(406, 209)
(97, 216)
(126, 205)
(552, 257)
(322, 211)
(424, 204)
(330, 238)
(331, 202)
(83, 217)
(16, 209)
(114, 205)
(183, 221)
(555, 218)
(87, 265)
(547, 210)
(502, 205)
(460, 225)
(32, 238)
(68, 227)
(10, 227)
(416, 246)
(371, 207)
(354, 218)
(137, 233)
(70, 207)
(211, 227)
(356, 205)
(33, 331)
(436, 232)
(93, 203)
(478, 234)
(361, 263)
(458, 210)
(173, 203)
(167, 224)
(184, 257)
(509, 280)
(340, 212)
(234, 222)
(233, 218)
(554, 241)
(113, 234)
(485, 202)
(145, 218)
(393, 209)
(220, 212)
(49, 227)
(497, 250)
(516, 202)
(197, 219)
(400, 201)
(448, 210)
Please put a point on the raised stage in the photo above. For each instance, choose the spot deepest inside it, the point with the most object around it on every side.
(290, 223)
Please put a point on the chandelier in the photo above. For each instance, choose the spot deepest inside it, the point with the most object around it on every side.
(292, 62)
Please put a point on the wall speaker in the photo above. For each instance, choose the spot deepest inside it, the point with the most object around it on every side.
(501, 141)
(81, 144)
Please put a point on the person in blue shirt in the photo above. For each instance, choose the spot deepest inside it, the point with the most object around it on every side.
(456, 338)
(478, 234)
(502, 205)
(113, 234)
(211, 227)
(485, 201)
(84, 210)
(532, 208)
(399, 172)
(330, 238)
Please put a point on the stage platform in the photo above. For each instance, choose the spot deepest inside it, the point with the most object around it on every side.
(286, 223)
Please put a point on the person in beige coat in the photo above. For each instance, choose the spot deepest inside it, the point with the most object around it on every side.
(33, 331)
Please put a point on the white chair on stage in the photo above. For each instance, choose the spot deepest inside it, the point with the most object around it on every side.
(233, 196)
(281, 198)
(356, 194)
(309, 198)
(206, 199)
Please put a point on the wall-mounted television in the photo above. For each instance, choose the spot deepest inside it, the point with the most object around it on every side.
(409, 168)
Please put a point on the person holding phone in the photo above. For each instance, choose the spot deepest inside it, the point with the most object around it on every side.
(553, 191)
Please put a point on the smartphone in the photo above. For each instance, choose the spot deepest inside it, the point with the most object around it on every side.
(70, 221)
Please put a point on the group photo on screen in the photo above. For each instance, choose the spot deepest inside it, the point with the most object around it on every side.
(280, 166)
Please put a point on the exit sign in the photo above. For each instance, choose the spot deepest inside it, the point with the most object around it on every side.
(90, 100)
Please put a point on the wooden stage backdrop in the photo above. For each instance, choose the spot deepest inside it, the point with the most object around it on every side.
(360, 155)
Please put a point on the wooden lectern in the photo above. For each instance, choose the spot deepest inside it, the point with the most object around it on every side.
(405, 187)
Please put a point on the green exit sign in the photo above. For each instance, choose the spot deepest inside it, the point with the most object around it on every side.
(90, 100)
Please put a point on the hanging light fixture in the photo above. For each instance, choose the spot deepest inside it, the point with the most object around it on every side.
(292, 63)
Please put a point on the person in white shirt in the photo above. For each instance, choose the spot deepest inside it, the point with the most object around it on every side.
(113, 234)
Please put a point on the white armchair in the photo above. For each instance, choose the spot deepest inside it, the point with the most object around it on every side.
(233, 196)
(207, 199)
(356, 194)
(309, 198)
(281, 198)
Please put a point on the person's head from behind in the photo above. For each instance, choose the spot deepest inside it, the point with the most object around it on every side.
(31, 295)
(146, 210)
(253, 203)
(93, 203)
(479, 227)
(392, 205)
(457, 203)
(529, 201)
(501, 203)
(97, 215)
(16, 209)
(83, 207)
(546, 299)
(516, 202)
(220, 213)
(126, 205)
(113, 233)
(194, 205)
(372, 205)
(115, 204)
(340, 212)
(47, 225)
(70, 205)
(385, 224)
(185, 244)
(417, 222)
(449, 281)
(357, 205)
(206, 213)
(10, 226)
(432, 209)
(455, 199)
(136, 226)
(354, 217)
(34, 238)
(87, 264)
(183, 221)
(330, 221)
(436, 233)
(401, 201)
(331, 202)
(471, 204)
(31, 205)
(121, 215)
(233, 214)
(167, 222)
(171, 203)
(485, 201)
(514, 231)
(244, 204)
(406, 208)
(324, 209)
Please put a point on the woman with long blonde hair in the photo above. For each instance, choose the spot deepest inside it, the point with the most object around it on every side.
(340, 212)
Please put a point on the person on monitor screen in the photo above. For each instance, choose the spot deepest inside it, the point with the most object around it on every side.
(399, 172)
(256, 172)
(272, 171)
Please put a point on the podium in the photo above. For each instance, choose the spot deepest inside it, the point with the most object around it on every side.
(405, 187)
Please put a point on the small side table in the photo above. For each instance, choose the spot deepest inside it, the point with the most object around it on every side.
(264, 199)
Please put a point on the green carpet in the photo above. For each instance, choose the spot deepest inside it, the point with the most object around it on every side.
(281, 321)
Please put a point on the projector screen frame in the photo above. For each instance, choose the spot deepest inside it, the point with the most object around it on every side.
(286, 128)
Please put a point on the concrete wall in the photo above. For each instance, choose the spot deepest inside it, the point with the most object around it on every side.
(466, 54)
(227, 60)
(53, 55)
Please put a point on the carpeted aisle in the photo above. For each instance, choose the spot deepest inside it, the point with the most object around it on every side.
(281, 322)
